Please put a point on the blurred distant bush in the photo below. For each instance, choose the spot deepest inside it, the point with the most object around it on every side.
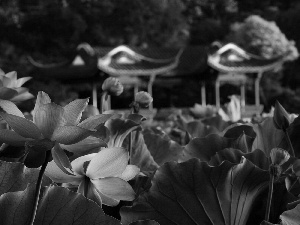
(263, 38)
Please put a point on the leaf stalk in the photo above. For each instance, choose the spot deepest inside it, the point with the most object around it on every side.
(289, 142)
(270, 194)
(38, 187)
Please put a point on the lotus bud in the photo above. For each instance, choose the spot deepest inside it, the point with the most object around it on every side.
(281, 118)
(279, 156)
(112, 86)
(143, 98)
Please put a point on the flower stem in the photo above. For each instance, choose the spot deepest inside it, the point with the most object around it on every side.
(3, 147)
(269, 200)
(293, 184)
(103, 102)
(38, 187)
(130, 146)
(289, 142)
(130, 139)
(86, 186)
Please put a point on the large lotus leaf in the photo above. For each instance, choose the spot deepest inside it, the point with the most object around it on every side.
(205, 148)
(294, 131)
(145, 222)
(12, 153)
(162, 148)
(15, 176)
(281, 198)
(120, 126)
(119, 129)
(196, 128)
(193, 192)
(257, 157)
(291, 217)
(57, 206)
(199, 129)
(157, 130)
(142, 183)
(243, 143)
(182, 121)
(236, 130)
(138, 118)
(216, 121)
(268, 136)
(140, 155)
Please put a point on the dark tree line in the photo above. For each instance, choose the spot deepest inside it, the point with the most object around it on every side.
(51, 30)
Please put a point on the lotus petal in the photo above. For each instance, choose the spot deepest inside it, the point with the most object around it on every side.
(61, 159)
(73, 111)
(78, 164)
(2, 73)
(109, 162)
(91, 192)
(11, 75)
(85, 146)
(22, 81)
(21, 90)
(10, 108)
(42, 98)
(12, 138)
(9, 83)
(7, 93)
(93, 121)
(69, 135)
(22, 126)
(57, 175)
(48, 117)
(130, 172)
(105, 200)
(115, 188)
(22, 97)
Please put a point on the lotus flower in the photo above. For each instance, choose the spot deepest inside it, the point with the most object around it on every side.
(101, 176)
(10, 87)
(52, 126)
(143, 98)
(113, 86)
(279, 156)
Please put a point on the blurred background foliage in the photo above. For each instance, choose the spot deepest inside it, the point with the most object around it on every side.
(50, 31)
